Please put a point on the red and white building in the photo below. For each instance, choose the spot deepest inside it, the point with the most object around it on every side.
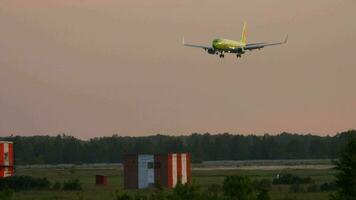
(142, 170)
(6, 159)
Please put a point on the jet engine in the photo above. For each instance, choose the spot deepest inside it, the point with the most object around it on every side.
(211, 51)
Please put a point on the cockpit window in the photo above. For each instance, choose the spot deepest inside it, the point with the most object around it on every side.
(216, 40)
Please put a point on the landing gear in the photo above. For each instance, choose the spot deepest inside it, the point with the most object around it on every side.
(221, 55)
(238, 55)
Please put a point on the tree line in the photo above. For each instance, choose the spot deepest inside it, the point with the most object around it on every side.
(63, 148)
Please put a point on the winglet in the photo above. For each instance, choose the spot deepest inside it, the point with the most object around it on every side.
(285, 40)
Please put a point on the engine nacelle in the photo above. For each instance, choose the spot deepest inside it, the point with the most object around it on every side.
(241, 50)
(211, 51)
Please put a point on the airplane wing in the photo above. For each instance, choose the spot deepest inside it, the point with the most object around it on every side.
(262, 45)
(196, 46)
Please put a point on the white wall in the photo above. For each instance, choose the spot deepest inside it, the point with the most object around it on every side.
(145, 174)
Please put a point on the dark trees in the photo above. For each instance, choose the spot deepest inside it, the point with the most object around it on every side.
(346, 178)
(67, 149)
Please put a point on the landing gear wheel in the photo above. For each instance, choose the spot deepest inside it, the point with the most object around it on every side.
(238, 55)
(221, 55)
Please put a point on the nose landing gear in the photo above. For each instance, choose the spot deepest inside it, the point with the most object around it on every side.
(238, 55)
(221, 55)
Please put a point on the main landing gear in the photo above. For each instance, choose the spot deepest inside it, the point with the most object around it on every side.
(238, 55)
(221, 55)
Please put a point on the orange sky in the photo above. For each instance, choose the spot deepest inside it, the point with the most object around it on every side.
(93, 68)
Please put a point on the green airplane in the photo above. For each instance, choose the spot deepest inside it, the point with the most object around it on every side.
(220, 46)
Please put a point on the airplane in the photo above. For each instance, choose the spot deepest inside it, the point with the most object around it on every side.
(220, 46)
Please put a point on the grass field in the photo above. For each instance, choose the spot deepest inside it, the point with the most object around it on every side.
(202, 176)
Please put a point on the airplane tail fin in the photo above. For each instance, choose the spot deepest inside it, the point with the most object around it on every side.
(244, 34)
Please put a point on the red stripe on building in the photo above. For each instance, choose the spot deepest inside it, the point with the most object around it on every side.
(130, 171)
(169, 170)
(2, 159)
(189, 170)
(11, 171)
(179, 167)
(11, 154)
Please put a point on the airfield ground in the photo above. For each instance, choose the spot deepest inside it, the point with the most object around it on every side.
(203, 174)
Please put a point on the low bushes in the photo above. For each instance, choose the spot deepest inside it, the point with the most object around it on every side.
(69, 185)
(238, 186)
(292, 179)
(331, 186)
(328, 186)
(313, 188)
(19, 183)
(56, 186)
(296, 188)
(6, 195)
(24, 183)
(73, 184)
(233, 188)
(262, 185)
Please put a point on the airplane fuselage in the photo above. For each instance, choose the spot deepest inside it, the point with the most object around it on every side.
(227, 45)
(220, 46)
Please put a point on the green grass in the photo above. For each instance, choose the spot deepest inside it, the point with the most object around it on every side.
(201, 177)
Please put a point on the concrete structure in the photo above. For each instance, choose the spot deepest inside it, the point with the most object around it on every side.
(6, 159)
(142, 171)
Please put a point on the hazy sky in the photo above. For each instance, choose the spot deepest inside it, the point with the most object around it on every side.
(98, 67)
